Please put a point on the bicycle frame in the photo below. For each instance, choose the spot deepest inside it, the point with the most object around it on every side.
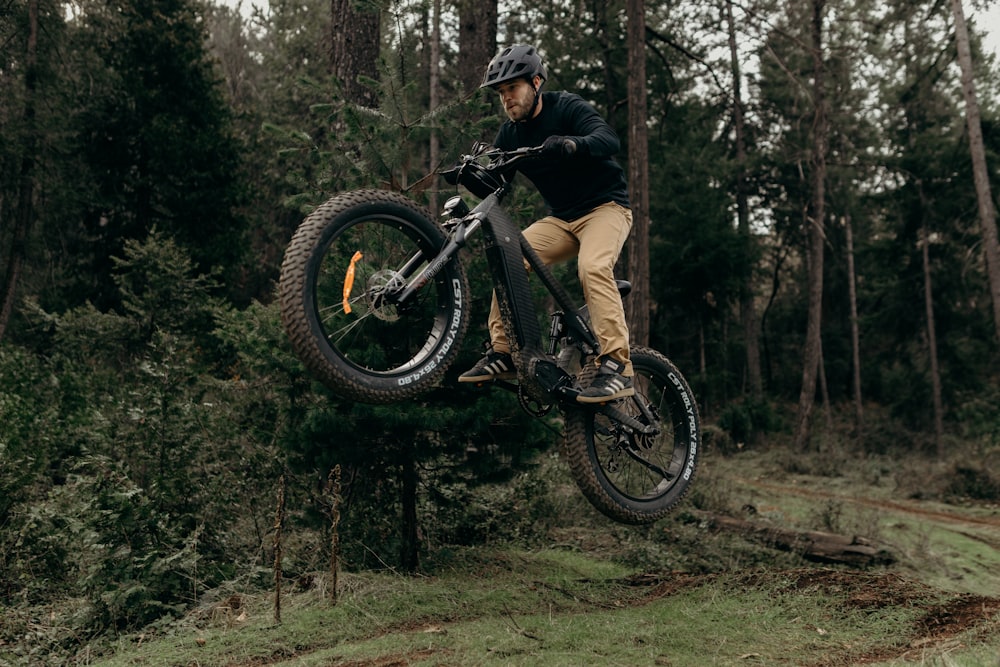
(632, 457)
(507, 254)
(506, 259)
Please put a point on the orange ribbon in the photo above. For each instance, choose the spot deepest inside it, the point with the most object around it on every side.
(349, 281)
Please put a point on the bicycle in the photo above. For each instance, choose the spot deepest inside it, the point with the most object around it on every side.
(375, 302)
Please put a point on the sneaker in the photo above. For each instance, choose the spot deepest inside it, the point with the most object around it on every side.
(494, 366)
(609, 384)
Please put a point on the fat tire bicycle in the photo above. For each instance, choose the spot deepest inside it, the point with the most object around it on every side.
(375, 301)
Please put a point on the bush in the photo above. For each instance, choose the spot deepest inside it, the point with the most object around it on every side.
(970, 481)
(746, 420)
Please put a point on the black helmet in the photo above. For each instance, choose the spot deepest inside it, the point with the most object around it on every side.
(514, 62)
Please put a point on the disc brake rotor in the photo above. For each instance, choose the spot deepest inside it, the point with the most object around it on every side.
(380, 285)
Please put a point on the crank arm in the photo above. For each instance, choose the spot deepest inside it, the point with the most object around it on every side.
(626, 420)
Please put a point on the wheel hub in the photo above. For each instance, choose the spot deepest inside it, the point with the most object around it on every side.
(380, 286)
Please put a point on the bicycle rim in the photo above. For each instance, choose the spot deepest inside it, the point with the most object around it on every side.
(630, 476)
(643, 468)
(355, 278)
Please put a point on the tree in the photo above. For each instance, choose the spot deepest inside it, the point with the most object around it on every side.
(811, 357)
(852, 295)
(272, 79)
(987, 210)
(930, 207)
(477, 41)
(748, 311)
(638, 174)
(25, 211)
(932, 346)
(355, 33)
(434, 84)
(154, 133)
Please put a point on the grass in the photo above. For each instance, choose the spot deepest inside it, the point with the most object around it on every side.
(560, 608)
(672, 594)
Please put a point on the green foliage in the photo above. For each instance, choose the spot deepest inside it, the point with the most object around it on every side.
(457, 443)
(150, 138)
(746, 421)
(975, 483)
(145, 418)
(27, 389)
(135, 565)
(977, 415)
(132, 492)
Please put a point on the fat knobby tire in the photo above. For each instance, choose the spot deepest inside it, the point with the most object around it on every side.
(586, 453)
(302, 314)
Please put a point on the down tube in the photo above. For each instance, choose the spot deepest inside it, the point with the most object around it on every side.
(510, 279)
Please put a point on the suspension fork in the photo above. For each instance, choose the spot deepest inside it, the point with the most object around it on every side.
(456, 241)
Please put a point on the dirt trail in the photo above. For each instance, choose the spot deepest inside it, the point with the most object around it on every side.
(912, 508)
(942, 622)
(937, 628)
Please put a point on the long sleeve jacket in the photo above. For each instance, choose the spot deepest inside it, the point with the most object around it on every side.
(573, 186)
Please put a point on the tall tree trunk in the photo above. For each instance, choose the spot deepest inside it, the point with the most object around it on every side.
(932, 343)
(748, 313)
(409, 556)
(702, 366)
(852, 293)
(25, 213)
(638, 174)
(815, 235)
(477, 40)
(824, 389)
(434, 150)
(600, 9)
(354, 49)
(987, 212)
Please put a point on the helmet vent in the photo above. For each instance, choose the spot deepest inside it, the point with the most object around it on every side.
(514, 62)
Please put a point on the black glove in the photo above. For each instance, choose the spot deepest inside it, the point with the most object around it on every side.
(558, 147)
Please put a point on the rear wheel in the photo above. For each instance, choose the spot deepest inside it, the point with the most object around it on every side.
(341, 272)
(630, 476)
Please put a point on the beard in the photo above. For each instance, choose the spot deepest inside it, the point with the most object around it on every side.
(517, 112)
(520, 110)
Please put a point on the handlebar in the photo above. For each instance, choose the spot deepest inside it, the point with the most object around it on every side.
(502, 161)
(486, 168)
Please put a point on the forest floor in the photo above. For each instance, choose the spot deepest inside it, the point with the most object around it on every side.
(681, 592)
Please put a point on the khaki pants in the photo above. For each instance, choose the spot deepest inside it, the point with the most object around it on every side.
(596, 240)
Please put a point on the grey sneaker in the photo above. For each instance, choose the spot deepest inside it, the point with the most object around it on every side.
(494, 366)
(608, 385)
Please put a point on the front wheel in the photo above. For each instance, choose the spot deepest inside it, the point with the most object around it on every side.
(630, 476)
(345, 265)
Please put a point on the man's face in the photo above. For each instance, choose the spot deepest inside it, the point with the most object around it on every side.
(517, 97)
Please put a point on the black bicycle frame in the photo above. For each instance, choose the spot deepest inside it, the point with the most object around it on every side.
(507, 252)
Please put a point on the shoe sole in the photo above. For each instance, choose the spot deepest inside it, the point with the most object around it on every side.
(624, 393)
(488, 377)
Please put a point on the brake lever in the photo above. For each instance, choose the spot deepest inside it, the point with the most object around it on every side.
(509, 158)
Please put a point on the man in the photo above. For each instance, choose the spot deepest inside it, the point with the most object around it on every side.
(585, 191)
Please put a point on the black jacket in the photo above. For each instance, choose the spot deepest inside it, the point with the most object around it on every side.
(573, 186)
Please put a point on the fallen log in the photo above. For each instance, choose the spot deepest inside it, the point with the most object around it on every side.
(812, 545)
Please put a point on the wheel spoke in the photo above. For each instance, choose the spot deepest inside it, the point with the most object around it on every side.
(337, 335)
(341, 272)
(635, 461)
(638, 457)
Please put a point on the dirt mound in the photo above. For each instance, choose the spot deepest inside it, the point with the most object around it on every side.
(941, 619)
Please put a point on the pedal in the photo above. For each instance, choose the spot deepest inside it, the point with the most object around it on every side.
(552, 378)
